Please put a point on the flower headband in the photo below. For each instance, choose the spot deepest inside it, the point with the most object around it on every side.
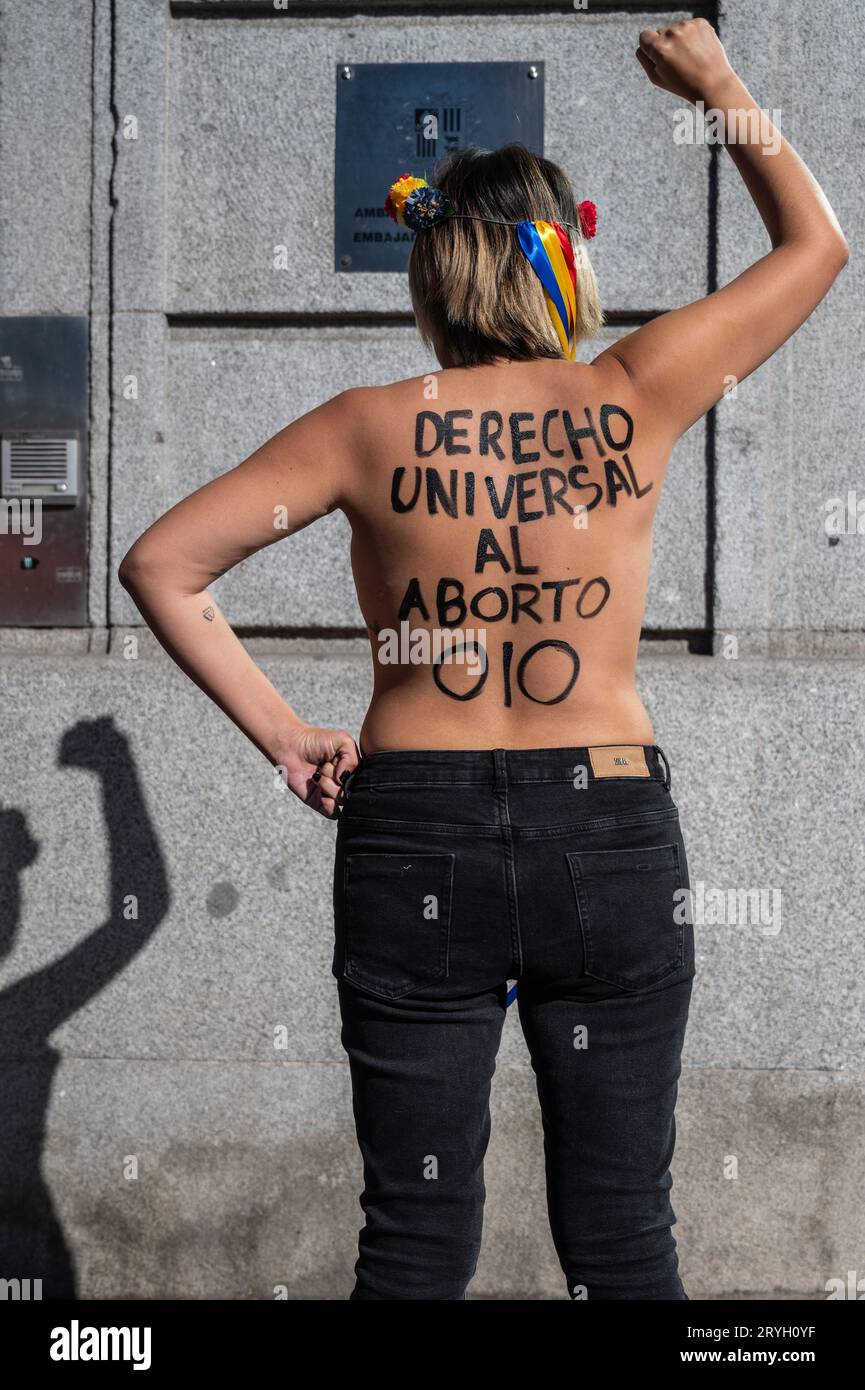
(413, 203)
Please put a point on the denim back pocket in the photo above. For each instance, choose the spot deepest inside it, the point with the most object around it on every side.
(627, 901)
(396, 920)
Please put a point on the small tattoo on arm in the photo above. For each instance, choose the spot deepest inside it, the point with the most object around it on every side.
(208, 614)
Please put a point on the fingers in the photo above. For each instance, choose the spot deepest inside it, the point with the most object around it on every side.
(650, 41)
(322, 795)
(328, 772)
(347, 756)
(327, 783)
(655, 42)
(325, 780)
(325, 805)
(648, 66)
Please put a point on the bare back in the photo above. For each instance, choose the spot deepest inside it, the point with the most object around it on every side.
(511, 506)
(502, 539)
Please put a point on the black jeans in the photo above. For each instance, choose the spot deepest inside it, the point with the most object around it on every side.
(457, 871)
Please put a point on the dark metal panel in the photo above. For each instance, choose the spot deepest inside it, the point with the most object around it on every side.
(44, 395)
(382, 130)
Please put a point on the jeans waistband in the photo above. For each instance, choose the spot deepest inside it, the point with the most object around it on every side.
(496, 767)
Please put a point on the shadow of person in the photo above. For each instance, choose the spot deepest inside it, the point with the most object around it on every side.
(32, 1243)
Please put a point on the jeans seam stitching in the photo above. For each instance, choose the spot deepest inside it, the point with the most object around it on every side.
(611, 822)
(430, 827)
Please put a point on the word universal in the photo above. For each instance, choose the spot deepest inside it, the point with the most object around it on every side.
(528, 494)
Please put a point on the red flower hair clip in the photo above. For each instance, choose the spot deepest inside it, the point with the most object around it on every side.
(587, 216)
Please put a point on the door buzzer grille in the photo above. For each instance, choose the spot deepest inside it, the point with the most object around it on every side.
(40, 464)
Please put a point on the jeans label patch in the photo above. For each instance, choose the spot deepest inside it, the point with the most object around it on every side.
(619, 760)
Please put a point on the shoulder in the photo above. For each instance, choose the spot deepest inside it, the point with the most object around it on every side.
(367, 410)
(368, 401)
(610, 380)
(610, 372)
(341, 420)
(355, 426)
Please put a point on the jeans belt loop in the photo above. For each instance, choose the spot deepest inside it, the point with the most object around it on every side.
(500, 769)
(663, 757)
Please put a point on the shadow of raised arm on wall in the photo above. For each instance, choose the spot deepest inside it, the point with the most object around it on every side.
(32, 1243)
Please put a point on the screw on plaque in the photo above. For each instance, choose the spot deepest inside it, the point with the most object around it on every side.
(346, 73)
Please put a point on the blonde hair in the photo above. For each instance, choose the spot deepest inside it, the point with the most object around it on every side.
(472, 288)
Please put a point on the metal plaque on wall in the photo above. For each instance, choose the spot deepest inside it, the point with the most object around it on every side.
(397, 117)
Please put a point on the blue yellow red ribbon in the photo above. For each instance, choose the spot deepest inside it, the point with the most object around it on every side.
(548, 251)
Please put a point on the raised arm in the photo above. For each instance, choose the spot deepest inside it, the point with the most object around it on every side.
(679, 362)
(297, 476)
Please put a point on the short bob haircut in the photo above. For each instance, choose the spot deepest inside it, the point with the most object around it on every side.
(473, 292)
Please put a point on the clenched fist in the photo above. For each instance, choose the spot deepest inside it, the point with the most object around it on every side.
(687, 59)
(313, 760)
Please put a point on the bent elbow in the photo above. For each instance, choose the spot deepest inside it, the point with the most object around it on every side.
(126, 571)
(826, 253)
(838, 251)
(134, 568)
